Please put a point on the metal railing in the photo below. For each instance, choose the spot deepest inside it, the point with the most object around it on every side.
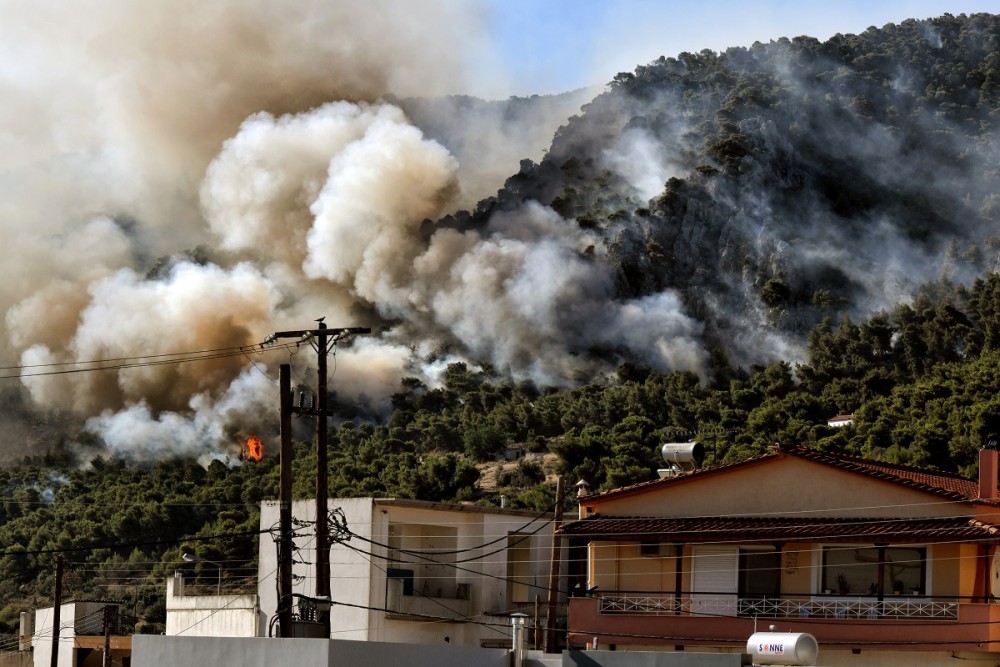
(801, 607)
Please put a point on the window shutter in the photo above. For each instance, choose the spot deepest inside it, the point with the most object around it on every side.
(715, 580)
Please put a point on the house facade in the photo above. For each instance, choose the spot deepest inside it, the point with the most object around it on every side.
(87, 631)
(883, 564)
(416, 572)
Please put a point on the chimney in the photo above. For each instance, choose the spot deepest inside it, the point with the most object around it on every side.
(988, 468)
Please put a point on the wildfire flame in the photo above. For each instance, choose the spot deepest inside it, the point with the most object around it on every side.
(253, 450)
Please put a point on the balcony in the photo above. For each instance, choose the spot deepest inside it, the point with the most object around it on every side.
(449, 601)
(804, 607)
(911, 622)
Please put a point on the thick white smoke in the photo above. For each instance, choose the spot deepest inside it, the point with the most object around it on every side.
(524, 293)
(186, 176)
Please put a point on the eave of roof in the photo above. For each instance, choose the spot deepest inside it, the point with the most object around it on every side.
(781, 529)
(460, 507)
(432, 505)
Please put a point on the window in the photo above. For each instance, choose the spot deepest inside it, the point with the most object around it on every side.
(759, 584)
(760, 574)
(714, 580)
(395, 542)
(430, 577)
(739, 580)
(654, 549)
(519, 579)
(876, 571)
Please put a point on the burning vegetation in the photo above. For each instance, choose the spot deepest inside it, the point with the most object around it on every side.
(252, 450)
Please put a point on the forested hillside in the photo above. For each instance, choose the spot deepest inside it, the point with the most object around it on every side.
(827, 213)
(921, 381)
(773, 186)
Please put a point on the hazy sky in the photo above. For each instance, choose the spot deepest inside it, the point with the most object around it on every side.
(556, 45)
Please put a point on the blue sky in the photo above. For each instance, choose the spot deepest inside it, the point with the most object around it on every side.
(551, 46)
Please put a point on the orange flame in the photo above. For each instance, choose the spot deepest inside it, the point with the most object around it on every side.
(253, 450)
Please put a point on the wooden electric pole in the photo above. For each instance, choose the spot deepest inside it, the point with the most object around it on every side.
(285, 506)
(322, 480)
(322, 339)
(550, 612)
(111, 624)
(56, 607)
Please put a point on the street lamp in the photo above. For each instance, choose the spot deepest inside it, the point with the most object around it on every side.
(191, 558)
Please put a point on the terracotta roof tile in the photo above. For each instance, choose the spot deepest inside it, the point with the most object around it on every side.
(768, 529)
(950, 485)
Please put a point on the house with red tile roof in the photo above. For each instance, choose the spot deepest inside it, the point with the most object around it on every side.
(840, 420)
(881, 563)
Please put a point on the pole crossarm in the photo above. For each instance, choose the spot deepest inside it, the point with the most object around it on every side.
(334, 335)
(310, 412)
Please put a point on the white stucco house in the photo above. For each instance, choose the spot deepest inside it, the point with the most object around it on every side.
(418, 572)
(86, 629)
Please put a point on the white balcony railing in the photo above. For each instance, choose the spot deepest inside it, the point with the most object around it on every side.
(720, 605)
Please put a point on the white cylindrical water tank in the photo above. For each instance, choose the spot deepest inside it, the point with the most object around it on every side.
(782, 648)
(683, 452)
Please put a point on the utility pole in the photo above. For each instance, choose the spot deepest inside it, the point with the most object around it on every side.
(553, 600)
(322, 339)
(322, 480)
(110, 626)
(285, 505)
(57, 606)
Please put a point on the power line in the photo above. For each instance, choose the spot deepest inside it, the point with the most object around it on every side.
(436, 601)
(480, 557)
(442, 552)
(124, 545)
(520, 539)
(142, 361)
(125, 359)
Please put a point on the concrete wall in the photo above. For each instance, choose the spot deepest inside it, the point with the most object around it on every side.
(75, 619)
(15, 659)
(349, 569)
(652, 659)
(619, 566)
(210, 615)
(801, 565)
(161, 651)
(41, 639)
(164, 651)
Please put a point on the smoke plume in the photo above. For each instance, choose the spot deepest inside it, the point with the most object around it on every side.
(191, 177)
